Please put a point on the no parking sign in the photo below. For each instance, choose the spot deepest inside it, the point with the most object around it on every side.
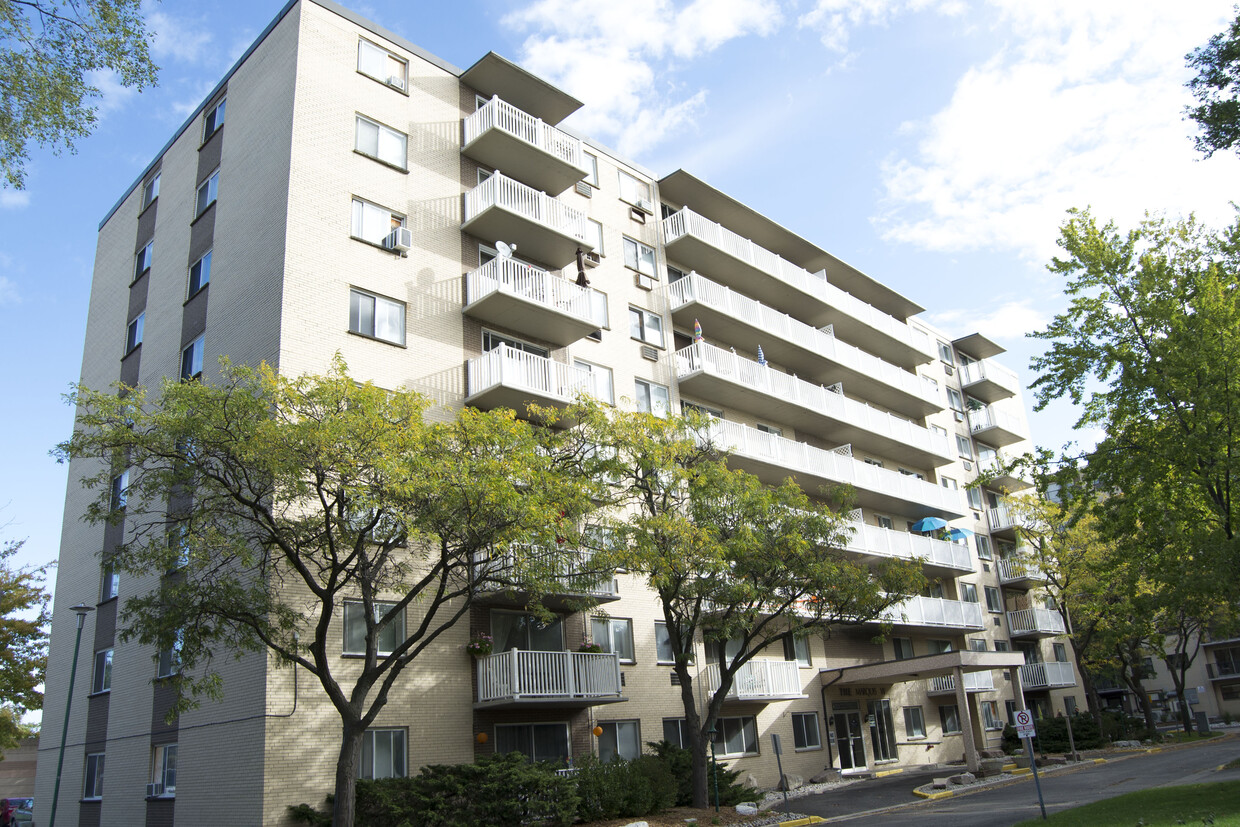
(1024, 724)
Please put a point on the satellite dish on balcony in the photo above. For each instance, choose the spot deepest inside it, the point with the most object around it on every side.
(505, 250)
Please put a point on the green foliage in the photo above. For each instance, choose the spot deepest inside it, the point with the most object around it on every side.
(50, 51)
(680, 765)
(498, 791)
(305, 814)
(623, 789)
(1217, 803)
(23, 642)
(1215, 87)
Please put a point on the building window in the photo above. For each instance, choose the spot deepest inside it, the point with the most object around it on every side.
(207, 192)
(591, 162)
(968, 592)
(142, 260)
(620, 741)
(1002, 646)
(914, 722)
(983, 547)
(884, 522)
(639, 257)
(614, 635)
(600, 387)
(1069, 704)
(939, 647)
(93, 788)
(133, 333)
(389, 636)
(169, 662)
(634, 191)
(994, 602)
(675, 732)
(515, 630)
(903, 647)
(945, 353)
(986, 455)
(975, 498)
(646, 326)
(949, 483)
(377, 62)
(736, 736)
(103, 672)
(537, 742)
(492, 340)
(990, 715)
(704, 410)
(381, 142)
(663, 643)
(200, 273)
(977, 644)
(376, 317)
(954, 401)
(797, 649)
(652, 398)
(594, 235)
(191, 360)
(805, 733)
(164, 770)
(120, 490)
(373, 223)
(1061, 652)
(383, 754)
(949, 718)
(213, 120)
(109, 581)
(964, 446)
(150, 191)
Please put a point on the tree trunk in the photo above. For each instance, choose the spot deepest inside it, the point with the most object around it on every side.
(701, 775)
(346, 776)
(697, 741)
(1177, 680)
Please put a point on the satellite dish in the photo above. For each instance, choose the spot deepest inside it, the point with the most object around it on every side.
(505, 250)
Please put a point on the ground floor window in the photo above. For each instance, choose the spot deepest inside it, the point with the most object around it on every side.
(1230, 691)
(914, 722)
(736, 736)
(620, 740)
(164, 769)
(990, 715)
(1010, 708)
(949, 718)
(93, 788)
(805, 730)
(537, 742)
(383, 754)
(676, 732)
(882, 730)
(1069, 704)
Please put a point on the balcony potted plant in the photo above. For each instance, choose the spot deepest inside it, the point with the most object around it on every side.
(590, 648)
(480, 645)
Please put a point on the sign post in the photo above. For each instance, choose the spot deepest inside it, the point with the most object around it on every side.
(1026, 730)
(779, 751)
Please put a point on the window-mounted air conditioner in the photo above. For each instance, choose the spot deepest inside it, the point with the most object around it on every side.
(959, 416)
(949, 370)
(645, 282)
(154, 790)
(593, 259)
(396, 81)
(645, 205)
(399, 240)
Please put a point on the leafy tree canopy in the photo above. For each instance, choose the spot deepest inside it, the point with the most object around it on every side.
(49, 50)
(23, 642)
(1216, 87)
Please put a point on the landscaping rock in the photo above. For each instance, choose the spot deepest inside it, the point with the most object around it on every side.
(825, 777)
(1055, 759)
(790, 782)
(940, 783)
(637, 824)
(990, 767)
(962, 779)
(990, 753)
(750, 781)
(747, 809)
(1126, 744)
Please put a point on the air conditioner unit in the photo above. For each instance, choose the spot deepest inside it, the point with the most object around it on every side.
(645, 205)
(645, 282)
(949, 370)
(593, 259)
(396, 81)
(650, 353)
(154, 790)
(584, 189)
(399, 240)
(968, 466)
(959, 416)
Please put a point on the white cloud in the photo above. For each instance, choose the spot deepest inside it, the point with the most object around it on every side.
(1006, 323)
(14, 199)
(178, 39)
(1081, 105)
(834, 20)
(8, 292)
(608, 55)
(113, 94)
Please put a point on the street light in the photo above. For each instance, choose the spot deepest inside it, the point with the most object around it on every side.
(82, 610)
(714, 764)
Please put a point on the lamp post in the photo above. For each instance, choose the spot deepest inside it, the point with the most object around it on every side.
(82, 610)
(714, 764)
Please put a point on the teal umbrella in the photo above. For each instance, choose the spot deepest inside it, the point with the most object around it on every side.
(929, 524)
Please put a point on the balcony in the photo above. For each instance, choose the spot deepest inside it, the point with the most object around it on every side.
(700, 244)
(973, 682)
(996, 427)
(759, 681)
(936, 613)
(572, 577)
(989, 381)
(563, 679)
(1223, 670)
(720, 375)
(546, 230)
(1002, 523)
(509, 378)
(938, 557)
(1046, 675)
(1003, 480)
(799, 347)
(1020, 574)
(1035, 623)
(774, 458)
(501, 136)
(534, 302)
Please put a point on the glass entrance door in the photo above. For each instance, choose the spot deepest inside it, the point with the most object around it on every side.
(850, 740)
(882, 730)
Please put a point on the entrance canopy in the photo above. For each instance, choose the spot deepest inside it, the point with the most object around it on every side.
(922, 667)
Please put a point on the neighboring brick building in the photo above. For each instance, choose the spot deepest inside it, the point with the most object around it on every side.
(271, 226)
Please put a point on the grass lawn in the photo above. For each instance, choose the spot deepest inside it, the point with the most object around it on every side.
(1216, 804)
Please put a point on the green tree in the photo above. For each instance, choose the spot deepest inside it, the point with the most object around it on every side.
(737, 564)
(264, 502)
(23, 633)
(1216, 87)
(48, 52)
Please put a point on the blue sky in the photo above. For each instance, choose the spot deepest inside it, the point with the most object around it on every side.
(934, 144)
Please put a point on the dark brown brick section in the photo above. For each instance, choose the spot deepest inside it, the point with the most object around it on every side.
(89, 813)
(194, 318)
(209, 153)
(201, 236)
(146, 221)
(137, 295)
(105, 625)
(97, 723)
(162, 702)
(131, 366)
(160, 812)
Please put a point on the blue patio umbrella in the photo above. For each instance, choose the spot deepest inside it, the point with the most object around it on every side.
(959, 534)
(761, 356)
(929, 524)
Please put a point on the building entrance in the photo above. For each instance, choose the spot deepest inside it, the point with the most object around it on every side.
(850, 739)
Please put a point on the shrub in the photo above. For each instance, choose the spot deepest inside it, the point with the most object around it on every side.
(623, 789)
(1053, 735)
(680, 764)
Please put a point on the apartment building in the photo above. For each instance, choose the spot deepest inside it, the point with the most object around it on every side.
(342, 190)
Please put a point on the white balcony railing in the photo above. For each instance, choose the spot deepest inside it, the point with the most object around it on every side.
(758, 679)
(1036, 621)
(936, 611)
(835, 466)
(501, 115)
(1000, 518)
(501, 191)
(506, 275)
(506, 366)
(989, 417)
(995, 372)
(686, 222)
(1013, 570)
(694, 287)
(816, 399)
(1035, 675)
(885, 542)
(571, 570)
(518, 674)
(973, 682)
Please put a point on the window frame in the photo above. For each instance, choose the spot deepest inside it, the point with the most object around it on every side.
(631, 187)
(101, 674)
(356, 295)
(984, 550)
(914, 730)
(897, 647)
(495, 339)
(568, 741)
(380, 128)
(357, 221)
(945, 713)
(640, 326)
(120, 490)
(403, 86)
(995, 606)
(168, 663)
(597, 240)
(652, 408)
(133, 332)
(800, 730)
(384, 606)
(658, 646)
(990, 715)
(204, 267)
(591, 161)
(211, 185)
(150, 192)
(368, 740)
(213, 119)
(955, 401)
(796, 650)
(748, 726)
(640, 253)
(610, 625)
(160, 770)
(682, 733)
(964, 447)
(142, 260)
(191, 357)
(602, 371)
(968, 593)
(109, 581)
(974, 496)
(615, 727)
(93, 773)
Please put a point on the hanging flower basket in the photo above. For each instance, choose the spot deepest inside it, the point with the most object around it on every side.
(480, 645)
(590, 648)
